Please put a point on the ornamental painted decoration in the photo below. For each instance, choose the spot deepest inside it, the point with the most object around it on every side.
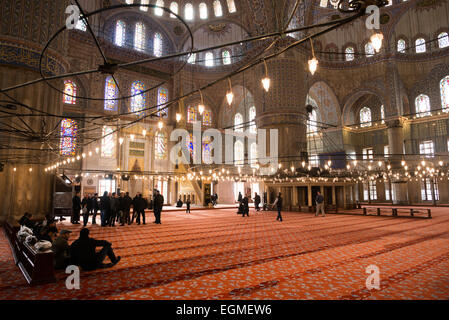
(69, 132)
(69, 92)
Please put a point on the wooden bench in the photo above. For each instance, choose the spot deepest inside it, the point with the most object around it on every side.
(37, 267)
(394, 211)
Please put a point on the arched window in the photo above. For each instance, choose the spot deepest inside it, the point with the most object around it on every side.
(120, 33)
(252, 119)
(81, 25)
(207, 118)
(207, 152)
(192, 58)
(191, 144)
(174, 8)
(349, 53)
(191, 114)
(138, 100)
(69, 132)
(401, 46)
(129, 1)
(443, 40)
(422, 104)
(231, 6)
(254, 154)
(203, 11)
(238, 123)
(144, 8)
(162, 98)
(110, 92)
(365, 117)
(226, 57)
(159, 11)
(209, 59)
(369, 49)
(108, 143)
(420, 45)
(188, 12)
(139, 37)
(157, 46)
(382, 113)
(160, 147)
(444, 89)
(239, 153)
(218, 11)
(312, 127)
(69, 92)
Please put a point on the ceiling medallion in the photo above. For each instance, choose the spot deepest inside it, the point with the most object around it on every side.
(217, 27)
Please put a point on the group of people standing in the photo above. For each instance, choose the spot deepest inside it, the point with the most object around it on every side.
(244, 204)
(116, 208)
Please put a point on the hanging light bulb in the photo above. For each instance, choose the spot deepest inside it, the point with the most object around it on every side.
(132, 137)
(178, 117)
(160, 125)
(266, 82)
(376, 40)
(201, 107)
(230, 94)
(144, 132)
(313, 63)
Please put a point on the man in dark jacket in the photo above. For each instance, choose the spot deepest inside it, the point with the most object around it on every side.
(26, 221)
(105, 207)
(257, 202)
(239, 199)
(158, 205)
(114, 209)
(61, 249)
(245, 206)
(95, 207)
(142, 204)
(83, 254)
(85, 205)
(135, 205)
(278, 204)
(76, 208)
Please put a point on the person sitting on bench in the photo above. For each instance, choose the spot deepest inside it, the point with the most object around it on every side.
(61, 249)
(26, 221)
(83, 254)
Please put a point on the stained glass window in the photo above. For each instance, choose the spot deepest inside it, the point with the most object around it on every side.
(207, 152)
(369, 49)
(238, 123)
(192, 58)
(108, 143)
(144, 8)
(207, 118)
(69, 132)
(422, 104)
(110, 92)
(160, 146)
(401, 46)
(138, 101)
(191, 114)
(231, 6)
(254, 155)
(191, 144)
(81, 25)
(444, 89)
(239, 153)
(427, 148)
(349, 53)
(159, 11)
(174, 8)
(217, 8)
(252, 119)
(420, 45)
(226, 57)
(188, 11)
(443, 40)
(365, 117)
(120, 33)
(203, 11)
(69, 92)
(162, 98)
(139, 37)
(157, 49)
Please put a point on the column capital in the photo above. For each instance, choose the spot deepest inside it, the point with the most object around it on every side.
(394, 123)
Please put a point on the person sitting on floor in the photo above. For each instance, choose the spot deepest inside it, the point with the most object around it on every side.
(26, 221)
(179, 203)
(61, 249)
(83, 254)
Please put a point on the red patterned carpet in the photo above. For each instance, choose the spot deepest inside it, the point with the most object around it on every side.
(220, 255)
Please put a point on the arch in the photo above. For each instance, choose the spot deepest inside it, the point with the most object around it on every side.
(443, 40)
(422, 105)
(365, 117)
(139, 36)
(326, 102)
(138, 101)
(360, 98)
(420, 45)
(349, 54)
(110, 92)
(238, 121)
(70, 91)
(157, 45)
(239, 153)
(218, 10)
(158, 11)
(120, 33)
(189, 13)
(203, 11)
(174, 7)
(401, 46)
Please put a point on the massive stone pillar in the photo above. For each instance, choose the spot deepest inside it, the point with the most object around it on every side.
(24, 27)
(284, 108)
(396, 145)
